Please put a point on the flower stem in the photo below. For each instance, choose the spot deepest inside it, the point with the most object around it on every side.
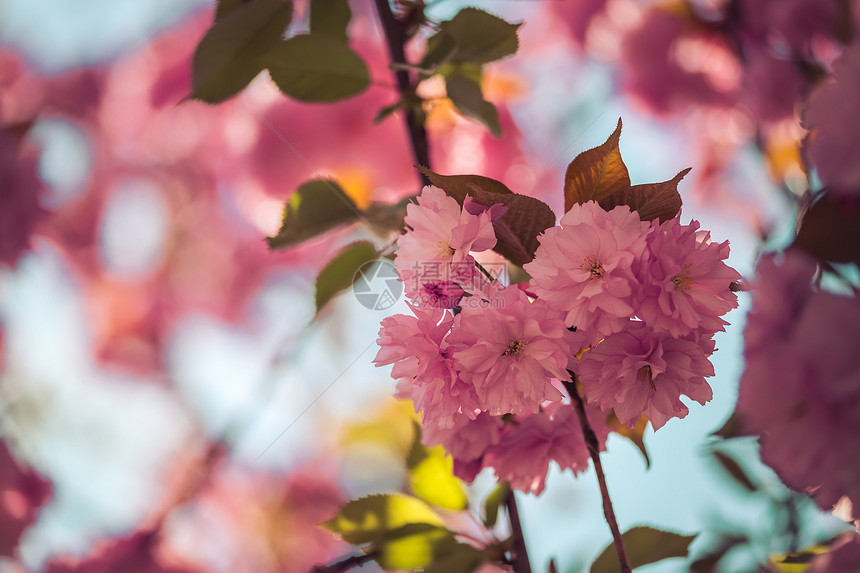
(395, 36)
(594, 451)
(521, 562)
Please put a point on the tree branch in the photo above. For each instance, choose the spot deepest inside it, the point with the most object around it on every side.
(594, 452)
(521, 562)
(395, 36)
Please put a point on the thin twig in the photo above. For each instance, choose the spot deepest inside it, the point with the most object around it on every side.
(521, 562)
(594, 451)
(344, 564)
(395, 37)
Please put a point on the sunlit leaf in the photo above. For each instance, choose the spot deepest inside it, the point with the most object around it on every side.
(479, 36)
(465, 93)
(651, 201)
(431, 475)
(518, 229)
(389, 426)
(411, 546)
(340, 272)
(635, 435)
(330, 17)
(315, 207)
(735, 470)
(830, 231)
(317, 68)
(371, 519)
(231, 53)
(496, 498)
(644, 545)
(596, 173)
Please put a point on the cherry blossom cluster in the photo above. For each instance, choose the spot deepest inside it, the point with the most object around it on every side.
(627, 308)
(801, 388)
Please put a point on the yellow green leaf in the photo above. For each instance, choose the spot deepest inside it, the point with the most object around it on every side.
(371, 519)
(596, 173)
(431, 475)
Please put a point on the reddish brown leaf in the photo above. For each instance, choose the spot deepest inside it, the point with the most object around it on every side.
(457, 186)
(830, 230)
(596, 173)
(518, 229)
(651, 200)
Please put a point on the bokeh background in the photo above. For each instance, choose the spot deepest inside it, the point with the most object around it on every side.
(165, 371)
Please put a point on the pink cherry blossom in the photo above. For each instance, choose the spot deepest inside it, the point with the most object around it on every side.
(416, 346)
(801, 389)
(467, 440)
(685, 283)
(439, 238)
(585, 267)
(510, 351)
(833, 116)
(639, 370)
(525, 450)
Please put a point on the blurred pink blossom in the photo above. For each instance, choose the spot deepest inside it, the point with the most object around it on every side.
(801, 389)
(22, 493)
(833, 118)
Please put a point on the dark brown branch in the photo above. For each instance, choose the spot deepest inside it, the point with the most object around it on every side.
(594, 451)
(395, 36)
(521, 556)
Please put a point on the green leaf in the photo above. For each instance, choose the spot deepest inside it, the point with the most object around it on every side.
(644, 545)
(465, 93)
(330, 17)
(230, 55)
(651, 201)
(226, 6)
(340, 272)
(479, 36)
(440, 48)
(830, 231)
(491, 505)
(518, 229)
(596, 173)
(735, 470)
(431, 475)
(372, 519)
(635, 435)
(317, 68)
(315, 207)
